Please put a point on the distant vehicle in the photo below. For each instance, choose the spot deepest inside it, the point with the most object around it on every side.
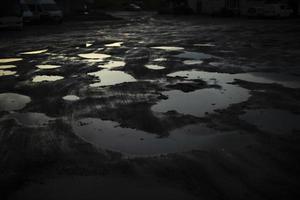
(11, 14)
(45, 10)
(273, 10)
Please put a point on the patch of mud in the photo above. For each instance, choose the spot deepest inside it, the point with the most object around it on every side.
(10, 60)
(273, 120)
(168, 48)
(34, 52)
(45, 78)
(7, 66)
(48, 66)
(30, 119)
(109, 135)
(155, 67)
(7, 73)
(71, 98)
(221, 78)
(201, 102)
(116, 44)
(12, 101)
(194, 55)
(113, 65)
(108, 78)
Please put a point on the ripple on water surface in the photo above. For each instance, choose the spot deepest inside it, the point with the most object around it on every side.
(34, 52)
(7, 73)
(9, 60)
(12, 101)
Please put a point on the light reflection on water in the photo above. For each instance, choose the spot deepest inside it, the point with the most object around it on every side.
(45, 78)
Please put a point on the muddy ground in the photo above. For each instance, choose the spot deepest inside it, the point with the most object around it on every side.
(151, 107)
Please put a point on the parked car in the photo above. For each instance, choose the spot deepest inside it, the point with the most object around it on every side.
(11, 14)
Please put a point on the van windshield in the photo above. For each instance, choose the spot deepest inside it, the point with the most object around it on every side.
(50, 7)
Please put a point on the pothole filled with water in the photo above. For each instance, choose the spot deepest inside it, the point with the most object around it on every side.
(12, 101)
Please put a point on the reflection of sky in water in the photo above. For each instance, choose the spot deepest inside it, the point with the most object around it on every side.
(12, 101)
(34, 52)
(45, 78)
(108, 78)
(109, 135)
(202, 101)
(155, 67)
(116, 44)
(95, 56)
(192, 62)
(7, 73)
(48, 66)
(167, 48)
(30, 119)
(272, 120)
(9, 60)
(113, 64)
(71, 98)
(7, 66)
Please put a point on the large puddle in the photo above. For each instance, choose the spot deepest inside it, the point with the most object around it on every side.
(108, 78)
(273, 120)
(9, 60)
(12, 101)
(201, 102)
(221, 78)
(30, 119)
(45, 78)
(109, 135)
(113, 65)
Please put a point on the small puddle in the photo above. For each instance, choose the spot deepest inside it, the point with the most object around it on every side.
(155, 67)
(71, 98)
(34, 52)
(273, 120)
(48, 66)
(160, 60)
(113, 65)
(30, 119)
(95, 56)
(7, 73)
(45, 78)
(194, 55)
(167, 48)
(109, 135)
(256, 77)
(193, 62)
(108, 78)
(116, 44)
(8, 66)
(9, 60)
(12, 101)
(201, 102)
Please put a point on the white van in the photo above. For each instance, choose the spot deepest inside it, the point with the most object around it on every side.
(45, 10)
(11, 14)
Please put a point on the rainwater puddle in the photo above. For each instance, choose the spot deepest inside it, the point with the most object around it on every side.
(7, 66)
(12, 101)
(155, 67)
(7, 73)
(71, 98)
(193, 62)
(108, 78)
(116, 44)
(34, 52)
(95, 56)
(9, 60)
(194, 55)
(166, 48)
(160, 60)
(48, 66)
(221, 78)
(273, 120)
(30, 119)
(201, 102)
(109, 135)
(113, 64)
(45, 78)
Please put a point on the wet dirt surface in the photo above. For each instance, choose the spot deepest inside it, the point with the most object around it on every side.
(188, 104)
